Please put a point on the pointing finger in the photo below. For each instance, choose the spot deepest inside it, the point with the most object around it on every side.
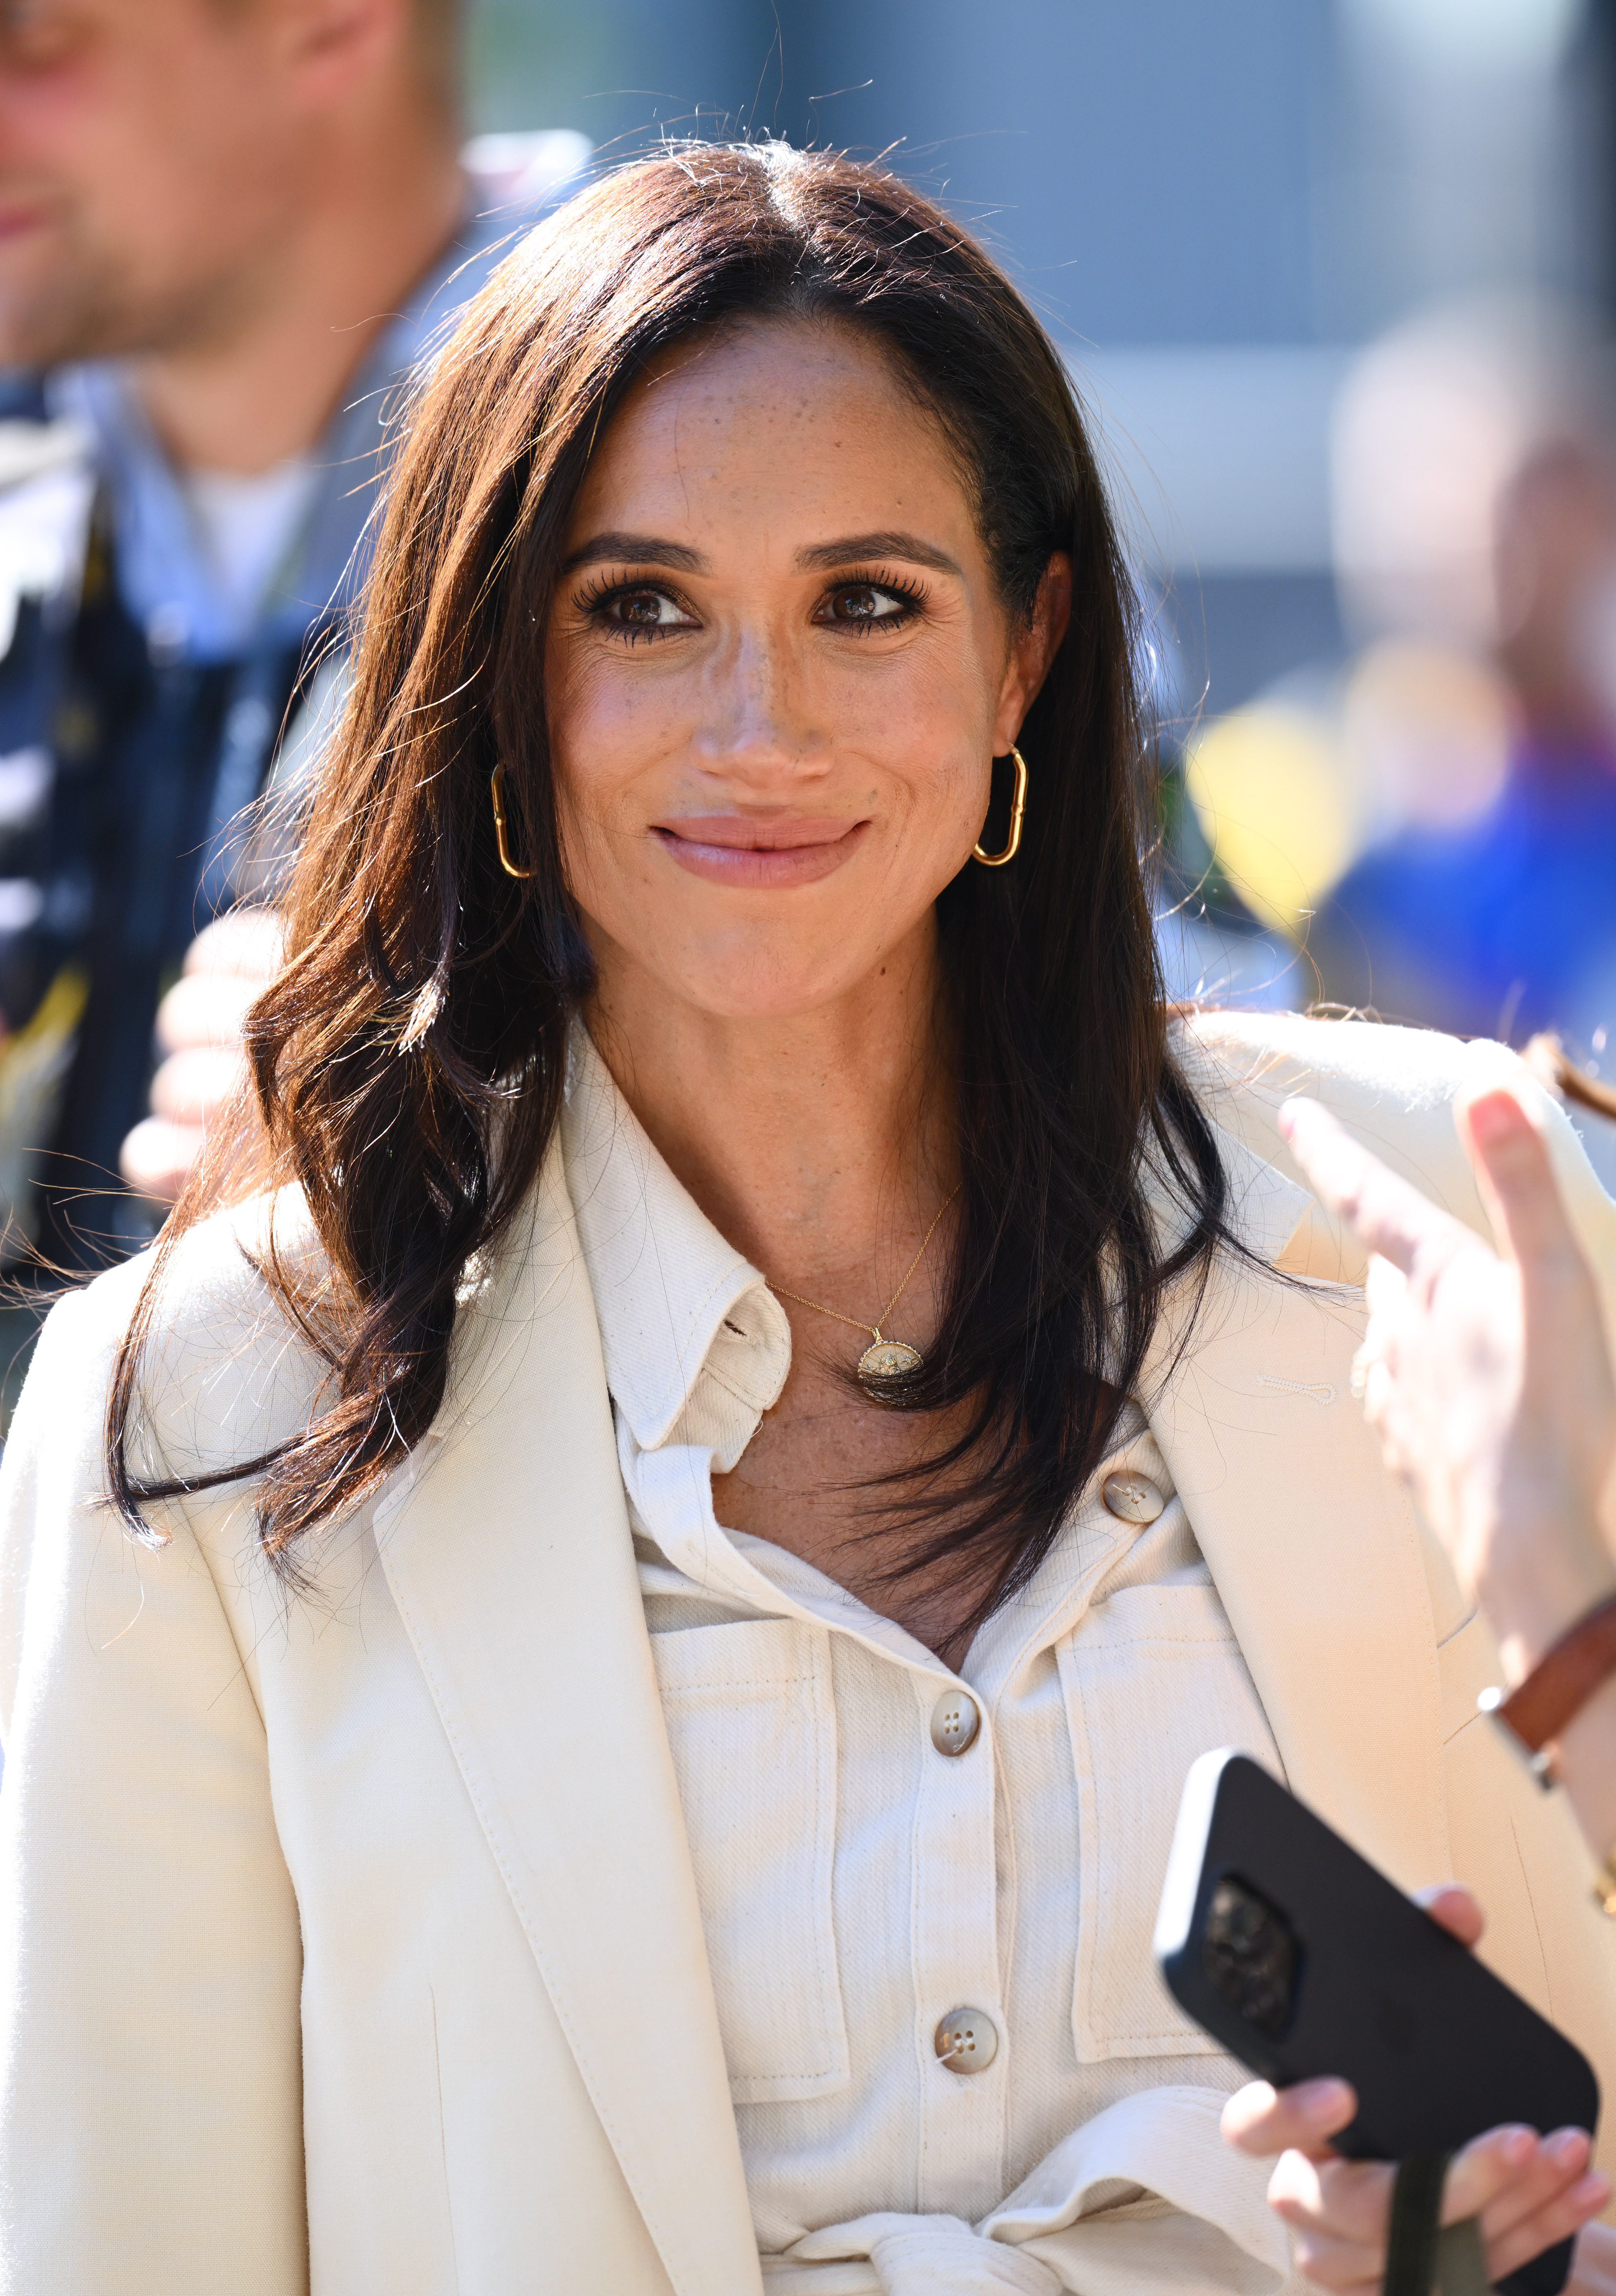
(1386, 1214)
(1517, 1176)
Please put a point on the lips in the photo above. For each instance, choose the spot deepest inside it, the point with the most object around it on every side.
(766, 856)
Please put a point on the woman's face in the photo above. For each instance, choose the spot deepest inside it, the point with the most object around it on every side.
(777, 673)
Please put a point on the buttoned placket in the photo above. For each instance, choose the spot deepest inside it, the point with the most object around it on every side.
(957, 1956)
(697, 1349)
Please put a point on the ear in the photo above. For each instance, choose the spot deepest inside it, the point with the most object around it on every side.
(1032, 650)
(330, 46)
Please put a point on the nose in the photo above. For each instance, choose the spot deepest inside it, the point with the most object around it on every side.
(756, 727)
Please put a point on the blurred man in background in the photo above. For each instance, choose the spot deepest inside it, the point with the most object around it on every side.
(228, 228)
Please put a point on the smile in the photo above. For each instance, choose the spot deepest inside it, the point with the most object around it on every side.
(760, 856)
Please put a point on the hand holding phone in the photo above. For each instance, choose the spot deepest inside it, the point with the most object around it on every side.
(1305, 1962)
(1527, 2193)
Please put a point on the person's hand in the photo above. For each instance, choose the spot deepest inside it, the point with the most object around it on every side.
(1594, 2264)
(1529, 2190)
(1485, 1373)
(199, 1025)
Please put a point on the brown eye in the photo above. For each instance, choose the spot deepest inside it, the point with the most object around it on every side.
(639, 613)
(642, 610)
(866, 606)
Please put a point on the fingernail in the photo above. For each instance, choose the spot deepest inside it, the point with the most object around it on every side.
(1517, 2145)
(1495, 1116)
(1319, 2100)
(1566, 2145)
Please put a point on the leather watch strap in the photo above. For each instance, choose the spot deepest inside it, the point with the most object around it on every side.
(1563, 1680)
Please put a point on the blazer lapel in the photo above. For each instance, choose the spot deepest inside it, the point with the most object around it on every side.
(506, 1545)
(1316, 1553)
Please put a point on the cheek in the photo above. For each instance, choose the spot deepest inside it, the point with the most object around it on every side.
(606, 737)
(930, 735)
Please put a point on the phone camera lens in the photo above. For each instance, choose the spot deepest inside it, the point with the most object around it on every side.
(1250, 1953)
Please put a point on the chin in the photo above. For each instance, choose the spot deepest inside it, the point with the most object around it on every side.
(44, 323)
(745, 1002)
(24, 340)
(766, 990)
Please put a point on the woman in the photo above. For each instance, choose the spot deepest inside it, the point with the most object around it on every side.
(683, 1534)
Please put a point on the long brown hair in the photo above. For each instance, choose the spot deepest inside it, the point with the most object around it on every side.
(408, 1062)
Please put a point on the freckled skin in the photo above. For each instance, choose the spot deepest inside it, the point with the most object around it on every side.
(771, 1016)
(742, 450)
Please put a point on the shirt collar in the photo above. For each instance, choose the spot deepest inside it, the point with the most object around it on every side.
(674, 1298)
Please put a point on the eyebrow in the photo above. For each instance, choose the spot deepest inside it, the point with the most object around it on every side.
(638, 549)
(887, 544)
(651, 550)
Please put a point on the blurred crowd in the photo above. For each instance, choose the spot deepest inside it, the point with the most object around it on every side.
(1427, 829)
(228, 239)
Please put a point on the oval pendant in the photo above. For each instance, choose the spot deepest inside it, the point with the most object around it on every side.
(887, 1359)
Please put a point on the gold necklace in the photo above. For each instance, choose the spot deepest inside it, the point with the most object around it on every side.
(882, 1358)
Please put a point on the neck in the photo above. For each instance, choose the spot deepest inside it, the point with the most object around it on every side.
(821, 1146)
(262, 380)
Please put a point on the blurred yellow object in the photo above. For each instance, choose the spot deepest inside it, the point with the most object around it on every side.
(1425, 732)
(1268, 786)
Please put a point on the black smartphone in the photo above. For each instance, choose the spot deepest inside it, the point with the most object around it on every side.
(1302, 1959)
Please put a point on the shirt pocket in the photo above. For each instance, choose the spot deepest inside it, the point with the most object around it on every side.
(751, 1722)
(1153, 1677)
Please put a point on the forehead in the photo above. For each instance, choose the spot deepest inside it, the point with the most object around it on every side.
(787, 418)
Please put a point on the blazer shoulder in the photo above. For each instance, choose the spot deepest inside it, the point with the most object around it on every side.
(223, 1372)
(1397, 1090)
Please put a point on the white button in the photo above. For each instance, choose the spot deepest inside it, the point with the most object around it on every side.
(956, 1719)
(967, 2041)
(1132, 1498)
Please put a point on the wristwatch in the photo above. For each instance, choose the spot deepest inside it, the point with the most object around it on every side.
(1533, 1714)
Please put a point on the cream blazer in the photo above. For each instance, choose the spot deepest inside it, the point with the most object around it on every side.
(350, 1941)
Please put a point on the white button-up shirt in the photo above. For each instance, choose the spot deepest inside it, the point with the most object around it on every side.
(856, 1884)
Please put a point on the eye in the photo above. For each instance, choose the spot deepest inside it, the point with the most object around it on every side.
(636, 610)
(643, 609)
(868, 605)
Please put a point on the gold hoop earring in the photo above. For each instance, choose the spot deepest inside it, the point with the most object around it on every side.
(1018, 807)
(497, 790)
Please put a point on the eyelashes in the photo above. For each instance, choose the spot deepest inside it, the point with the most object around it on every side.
(874, 599)
(909, 599)
(596, 600)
